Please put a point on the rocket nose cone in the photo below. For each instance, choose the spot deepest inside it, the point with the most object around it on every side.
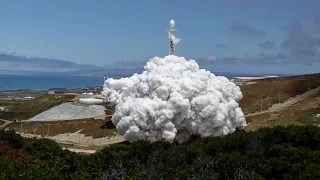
(172, 22)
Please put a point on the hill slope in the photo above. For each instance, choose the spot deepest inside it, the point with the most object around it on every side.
(302, 112)
(266, 91)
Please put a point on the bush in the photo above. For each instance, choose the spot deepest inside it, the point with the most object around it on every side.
(291, 152)
(14, 140)
(43, 149)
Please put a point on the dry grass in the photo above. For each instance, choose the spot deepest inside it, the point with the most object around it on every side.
(90, 127)
(267, 90)
(22, 93)
(295, 114)
(96, 148)
(8, 103)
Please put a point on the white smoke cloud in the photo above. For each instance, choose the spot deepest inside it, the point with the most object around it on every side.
(173, 99)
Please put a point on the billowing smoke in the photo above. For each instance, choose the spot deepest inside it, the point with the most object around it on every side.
(173, 99)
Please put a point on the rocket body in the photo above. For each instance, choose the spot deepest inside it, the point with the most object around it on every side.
(172, 26)
(172, 39)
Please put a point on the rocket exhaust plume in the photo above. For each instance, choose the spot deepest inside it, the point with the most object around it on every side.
(175, 40)
(173, 99)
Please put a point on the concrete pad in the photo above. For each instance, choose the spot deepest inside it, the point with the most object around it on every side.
(70, 111)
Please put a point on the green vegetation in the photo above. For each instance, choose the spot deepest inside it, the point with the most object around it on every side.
(30, 108)
(291, 152)
(310, 116)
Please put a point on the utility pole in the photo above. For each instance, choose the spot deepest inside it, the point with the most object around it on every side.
(280, 86)
(261, 102)
(279, 96)
(309, 82)
(47, 129)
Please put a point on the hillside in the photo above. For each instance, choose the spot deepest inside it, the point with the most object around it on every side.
(266, 91)
(22, 63)
(302, 112)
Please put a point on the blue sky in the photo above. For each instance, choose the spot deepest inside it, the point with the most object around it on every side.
(231, 34)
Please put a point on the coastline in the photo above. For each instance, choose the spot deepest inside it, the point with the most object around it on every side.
(16, 83)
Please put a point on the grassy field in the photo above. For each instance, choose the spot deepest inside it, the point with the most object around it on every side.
(22, 93)
(8, 103)
(90, 127)
(266, 91)
(17, 94)
(303, 112)
(310, 116)
(30, 108)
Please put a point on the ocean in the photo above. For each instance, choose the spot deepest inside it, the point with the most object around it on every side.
(45, 81)
(42, 82)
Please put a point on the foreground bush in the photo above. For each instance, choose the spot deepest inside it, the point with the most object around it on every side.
(42, 149)
(14, 140)
(291, 152)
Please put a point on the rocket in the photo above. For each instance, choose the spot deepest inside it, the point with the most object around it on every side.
(173, 41)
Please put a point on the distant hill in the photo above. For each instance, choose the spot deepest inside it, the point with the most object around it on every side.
(128, 72)
(14, 64)
(23, 63)
(106, 71)
(112, 72)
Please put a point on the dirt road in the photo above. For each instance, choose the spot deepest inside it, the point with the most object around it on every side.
(6, 122)
(294, 100)
(80, 140)
(80, 150)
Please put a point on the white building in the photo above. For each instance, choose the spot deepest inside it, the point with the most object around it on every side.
(91, 101)
(28, 98)
(237, 81)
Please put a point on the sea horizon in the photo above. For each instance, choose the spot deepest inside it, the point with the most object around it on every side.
(44, 82)
(14, 82)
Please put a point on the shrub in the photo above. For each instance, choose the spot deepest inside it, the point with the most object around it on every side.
(43, 149)
(14, 140)
(291, 152)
